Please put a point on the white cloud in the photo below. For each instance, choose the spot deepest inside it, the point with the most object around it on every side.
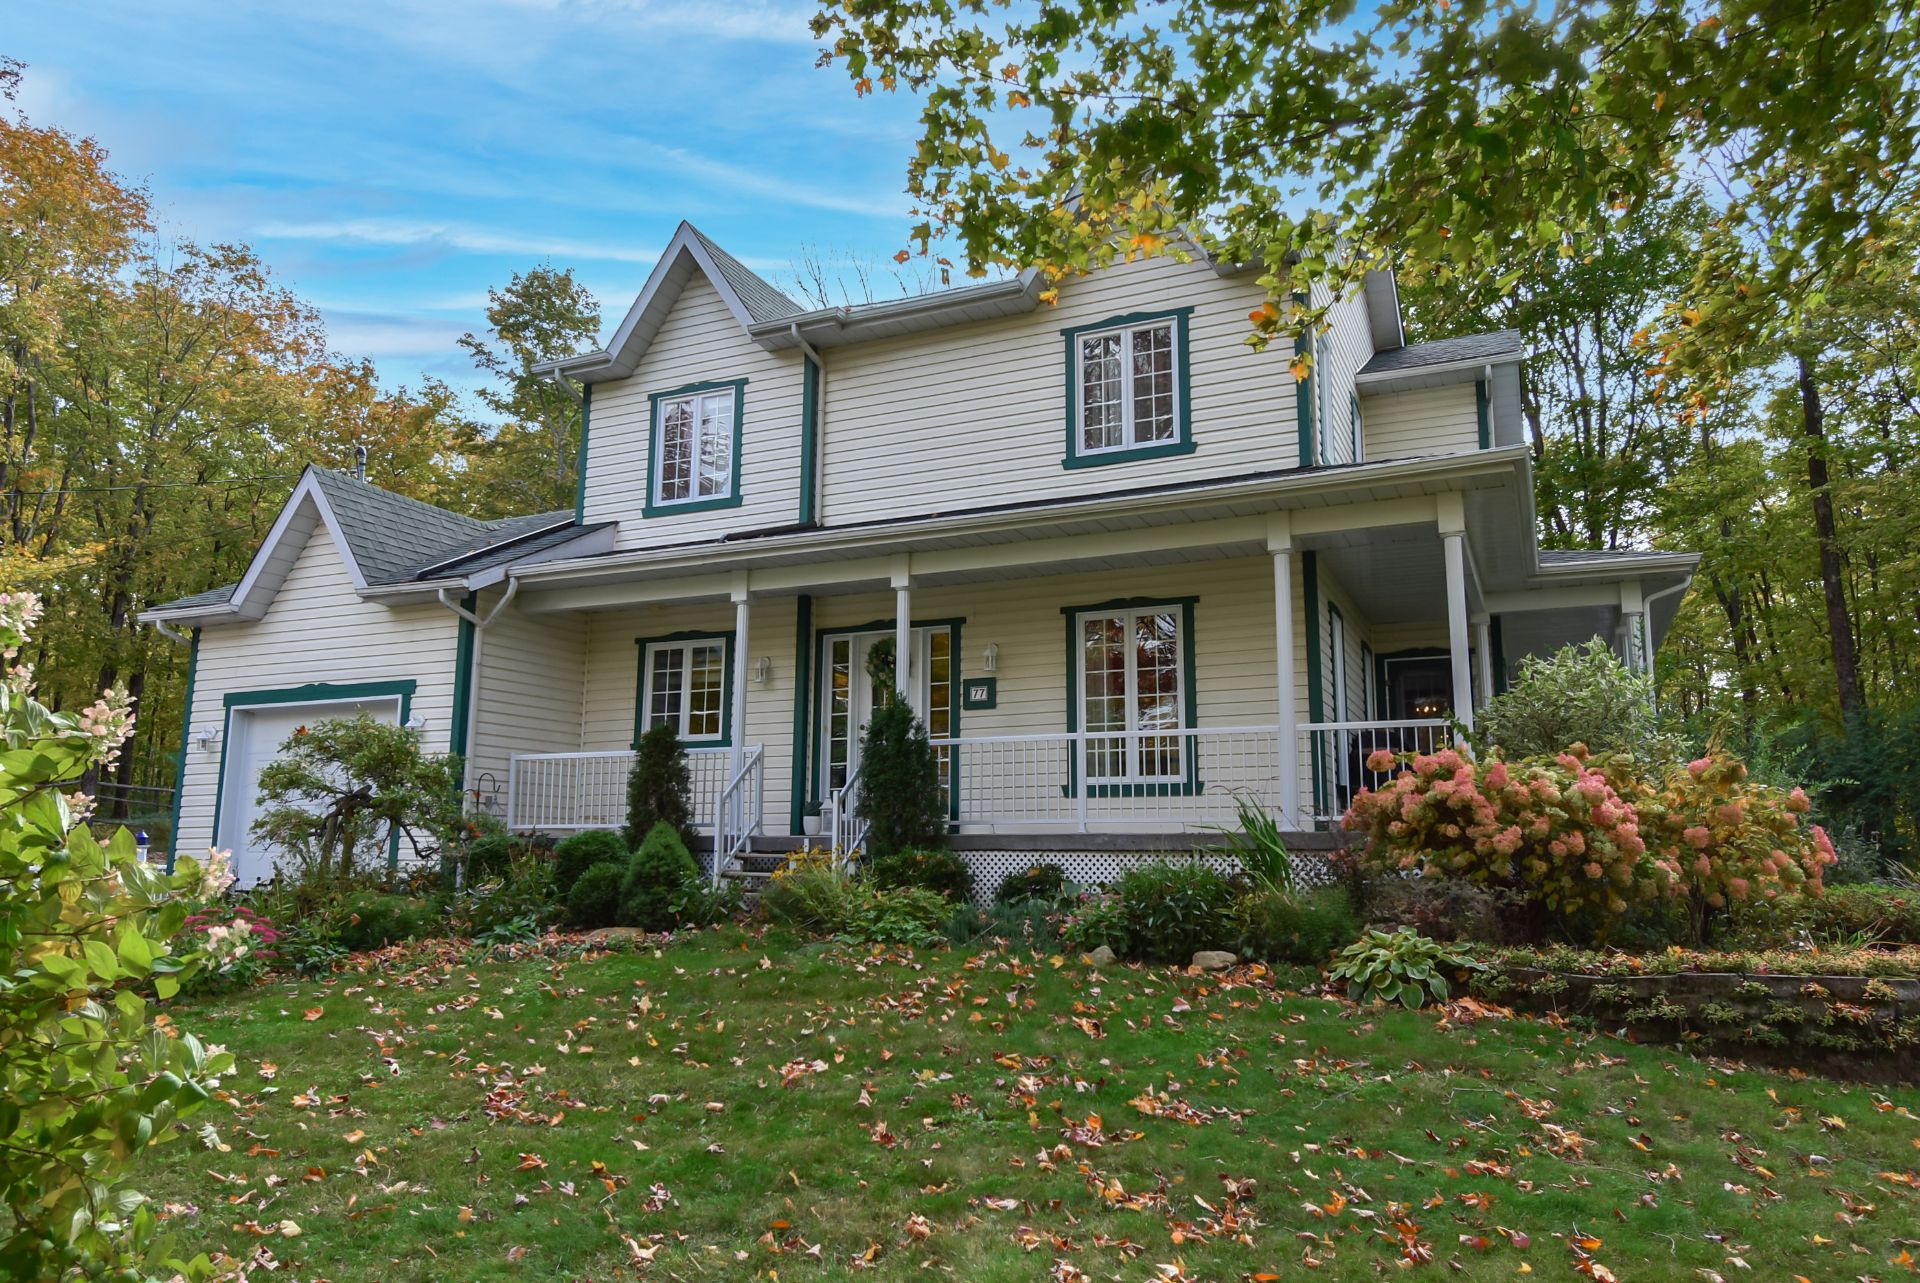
(452, 236)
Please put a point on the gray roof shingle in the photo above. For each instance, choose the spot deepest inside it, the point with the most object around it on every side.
(1499, 344)
(762, 301)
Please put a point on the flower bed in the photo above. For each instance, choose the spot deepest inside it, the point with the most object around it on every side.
(1853, 1014)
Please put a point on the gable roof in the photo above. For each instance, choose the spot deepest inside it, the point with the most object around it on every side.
(384, 540)
(1469, 349)
(751, 300)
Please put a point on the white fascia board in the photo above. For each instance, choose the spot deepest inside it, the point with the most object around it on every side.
(215, 613)
(1602, 567)
(1434, 471)
(307, 494)
(850, 321)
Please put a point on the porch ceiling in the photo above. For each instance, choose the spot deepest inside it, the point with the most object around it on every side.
(1395, 574)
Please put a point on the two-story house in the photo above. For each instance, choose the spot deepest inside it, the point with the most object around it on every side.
(1124, 566)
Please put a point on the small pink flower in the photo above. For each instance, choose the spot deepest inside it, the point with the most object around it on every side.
(1699, 767)
(1698, 837)
(1738, 886)
(1593, 869)
(1797, 800)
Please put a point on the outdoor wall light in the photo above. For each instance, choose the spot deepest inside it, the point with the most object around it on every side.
(206, 739)
(417, 723)
(992, 657)
(763, 670)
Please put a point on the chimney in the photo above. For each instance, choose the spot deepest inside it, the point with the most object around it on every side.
(360, 462)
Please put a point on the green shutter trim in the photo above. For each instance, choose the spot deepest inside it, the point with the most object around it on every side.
(1303, 392)
(726, 684)
(1316, 700)
(1499, 656)
(802, 720)
(809, 439)
(462, 683)
(580, 461)
(1190, 697)
(180, 764)
(1183, 442)
(1480, 413)
(731, 500)
(311, 693)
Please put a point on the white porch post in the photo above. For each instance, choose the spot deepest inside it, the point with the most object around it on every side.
(903, 627)
(1483, 661)
(1634, 650)
(741, 649)
(1453, 535)
(1280, 545)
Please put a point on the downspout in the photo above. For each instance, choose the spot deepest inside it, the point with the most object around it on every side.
(473, 682)
(818, 462)
(171, 633)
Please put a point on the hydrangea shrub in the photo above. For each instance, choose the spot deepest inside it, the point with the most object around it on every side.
(88, 1080)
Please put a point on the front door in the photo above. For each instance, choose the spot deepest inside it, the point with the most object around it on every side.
(851, 690)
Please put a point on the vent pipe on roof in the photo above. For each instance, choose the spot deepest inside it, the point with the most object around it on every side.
(360, 462)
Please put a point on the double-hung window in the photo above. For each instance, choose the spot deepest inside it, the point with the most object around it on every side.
(1126, 385)
(684, 685)
(695, 439)
(1132, 693)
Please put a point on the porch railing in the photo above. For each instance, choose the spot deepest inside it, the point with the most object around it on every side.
(846, 827)
(567, 792)
(737, 812)
(1337, 753)
(1173, 778)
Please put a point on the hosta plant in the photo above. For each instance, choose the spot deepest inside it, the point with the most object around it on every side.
(1400, 966)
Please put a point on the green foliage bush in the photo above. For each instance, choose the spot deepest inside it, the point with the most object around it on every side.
(1028, 923)
(87, 935)
(900, 787)
(653, 878)
(909, 916)
(809, 895)
(1045, 883)
(699, 903)
(1578, 695)
(1258, 846)
(1863, 911)
(1273, 926)
(1174, 910)
(573, 856)
(373, 920)
(1098, 920)
(487, 851)
(520, 893)
(659, 787)
(594, 900)
(1401, 966)
(937, 870)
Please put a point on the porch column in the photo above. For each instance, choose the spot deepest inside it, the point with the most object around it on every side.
(902, 627)
(1280, 545)
(1483, 661)
(1453, 535)
(741, 649)
(1633, 649)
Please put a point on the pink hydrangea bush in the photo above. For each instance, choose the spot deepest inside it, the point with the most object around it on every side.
(1582, 840)
(1734, 842)
(1557, 831)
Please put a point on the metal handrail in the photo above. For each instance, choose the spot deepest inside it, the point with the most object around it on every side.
(732, 832)
(847, 830)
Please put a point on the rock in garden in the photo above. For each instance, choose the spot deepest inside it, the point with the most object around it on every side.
(1102, 957)
(1213, 960)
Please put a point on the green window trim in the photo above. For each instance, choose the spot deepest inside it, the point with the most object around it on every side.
(643, 644)
(311, 693)
(1303, 394)
(1191, 786)
(816, 778)
(1183, 442)
(1359, 433)
(180, 763)
(809, 440)
(1499, 656)
(462, 723)
(580, 482)
(802, 712)
(653, 507)
(1481, 415)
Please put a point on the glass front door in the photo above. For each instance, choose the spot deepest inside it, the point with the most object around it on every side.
(850, 691)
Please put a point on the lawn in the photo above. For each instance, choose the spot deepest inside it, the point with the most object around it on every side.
(754, 1107)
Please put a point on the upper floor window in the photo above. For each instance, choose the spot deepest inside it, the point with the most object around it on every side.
(696, 448)
(1127, 389)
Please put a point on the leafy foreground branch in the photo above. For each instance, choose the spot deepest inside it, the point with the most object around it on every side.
(88, 1079)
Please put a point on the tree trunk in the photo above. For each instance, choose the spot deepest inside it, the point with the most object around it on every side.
(1846, 659)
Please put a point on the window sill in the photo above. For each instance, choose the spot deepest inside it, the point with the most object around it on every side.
(1165, 450)
(653, 509)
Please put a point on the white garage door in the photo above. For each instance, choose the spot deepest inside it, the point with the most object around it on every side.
(254, 737)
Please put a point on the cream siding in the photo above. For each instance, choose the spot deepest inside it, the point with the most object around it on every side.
(317, 630)
(1340, 350)
(1400, 425)
(976, 414)
(528, 693)
(700, 341)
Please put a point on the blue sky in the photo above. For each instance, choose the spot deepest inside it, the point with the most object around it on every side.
(393, 160)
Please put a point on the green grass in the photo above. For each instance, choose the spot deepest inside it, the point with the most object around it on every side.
(626, 1116)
